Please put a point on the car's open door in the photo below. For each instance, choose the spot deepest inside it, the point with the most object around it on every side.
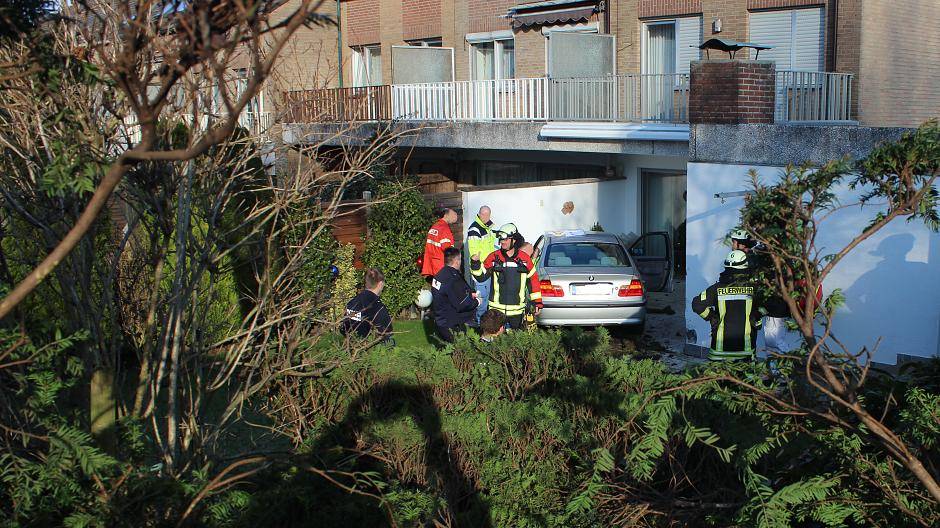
(652, 254)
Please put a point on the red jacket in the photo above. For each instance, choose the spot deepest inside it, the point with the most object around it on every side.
(440, 238)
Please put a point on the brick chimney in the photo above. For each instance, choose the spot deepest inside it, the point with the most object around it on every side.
(732, 91)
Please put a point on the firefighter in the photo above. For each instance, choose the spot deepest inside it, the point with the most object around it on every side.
(454, 301)
(366, 315)
(732, 309)
(481, 241)
(439, 238)
(512, 271)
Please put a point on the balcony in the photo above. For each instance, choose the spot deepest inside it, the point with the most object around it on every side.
(800, 97)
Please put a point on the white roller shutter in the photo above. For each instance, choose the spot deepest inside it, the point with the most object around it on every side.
(808, 40)
(773, 28)
(688, 38)
(797, 35)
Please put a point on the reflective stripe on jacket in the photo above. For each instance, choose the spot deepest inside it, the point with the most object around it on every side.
(511, 275)
(730, 307)
(439, 238)
(481, 240)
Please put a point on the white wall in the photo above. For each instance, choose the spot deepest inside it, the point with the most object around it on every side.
(891, 281)
(535, 210)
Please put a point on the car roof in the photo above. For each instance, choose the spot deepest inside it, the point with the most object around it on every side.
(581, 237)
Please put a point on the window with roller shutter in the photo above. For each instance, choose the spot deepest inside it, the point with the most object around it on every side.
(797, 37)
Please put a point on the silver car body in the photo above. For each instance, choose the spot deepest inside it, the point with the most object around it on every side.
(590, 290)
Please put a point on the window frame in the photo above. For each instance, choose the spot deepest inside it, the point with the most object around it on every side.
(365, 54)
(498, 39)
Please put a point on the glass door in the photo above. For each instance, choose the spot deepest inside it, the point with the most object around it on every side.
(656, 98)
(664, 200)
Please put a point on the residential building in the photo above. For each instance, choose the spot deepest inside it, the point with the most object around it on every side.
(565, 113)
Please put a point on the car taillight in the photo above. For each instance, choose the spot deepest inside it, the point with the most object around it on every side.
(634, 289)
(550, 290)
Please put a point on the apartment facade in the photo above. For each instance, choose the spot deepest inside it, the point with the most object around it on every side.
(563, 114)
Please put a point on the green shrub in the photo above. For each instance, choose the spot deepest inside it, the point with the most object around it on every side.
(398, 226)
(345, 286)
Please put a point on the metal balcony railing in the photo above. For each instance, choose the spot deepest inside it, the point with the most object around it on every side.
(803, 96)
(624, 98)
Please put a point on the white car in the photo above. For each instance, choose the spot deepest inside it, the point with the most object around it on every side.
(590, 278)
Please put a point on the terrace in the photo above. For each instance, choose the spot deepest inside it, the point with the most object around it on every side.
(799, 97)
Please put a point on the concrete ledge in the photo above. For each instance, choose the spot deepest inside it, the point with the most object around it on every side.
(525, 136)
(616, 131)
(779, 144)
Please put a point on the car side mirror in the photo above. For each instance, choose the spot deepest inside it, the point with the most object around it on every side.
(636, 252)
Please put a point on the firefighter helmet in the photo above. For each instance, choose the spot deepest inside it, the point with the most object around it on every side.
(736, 260)
(506, 231)
(740, 234)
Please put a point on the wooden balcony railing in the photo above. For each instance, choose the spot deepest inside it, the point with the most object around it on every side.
(361, 103)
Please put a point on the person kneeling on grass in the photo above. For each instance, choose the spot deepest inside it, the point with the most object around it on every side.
(453, 301)
(366, 314)
(492, 325)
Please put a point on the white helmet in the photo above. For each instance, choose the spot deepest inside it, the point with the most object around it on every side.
(736, 260)
(740, 234)
(506, 231)
(424, 299)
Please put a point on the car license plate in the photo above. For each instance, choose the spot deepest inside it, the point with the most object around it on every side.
(591, 289)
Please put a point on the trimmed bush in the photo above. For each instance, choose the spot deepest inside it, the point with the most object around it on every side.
(398, 226)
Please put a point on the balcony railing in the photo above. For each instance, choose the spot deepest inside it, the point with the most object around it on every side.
(813, 96)
(363, 103)
(626, 98)
(630, 98)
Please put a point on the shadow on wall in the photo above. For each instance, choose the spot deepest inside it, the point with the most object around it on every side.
(895, 289)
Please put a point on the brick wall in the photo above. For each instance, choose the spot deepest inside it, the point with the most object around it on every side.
(774, 4)
(361, 18)
(420, 19)
(660, 8)
(487, 15)
(530, 52)
(899, 64)
(731, 92)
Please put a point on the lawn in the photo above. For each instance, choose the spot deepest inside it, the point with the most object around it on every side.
(414, 333)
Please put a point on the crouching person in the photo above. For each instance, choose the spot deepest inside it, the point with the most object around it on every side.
(730, 307)
(366, 315)
(492, 324)
(454, 302)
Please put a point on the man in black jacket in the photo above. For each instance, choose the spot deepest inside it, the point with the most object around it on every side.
(366, 314)
(454, 303)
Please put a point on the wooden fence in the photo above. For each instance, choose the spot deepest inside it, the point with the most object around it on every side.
(362, 103)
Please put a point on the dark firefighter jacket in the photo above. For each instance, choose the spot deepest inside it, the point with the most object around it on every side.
(451, 299)
(730, 306)
(511, 275)
(365, 313)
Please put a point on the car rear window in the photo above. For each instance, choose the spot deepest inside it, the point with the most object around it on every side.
(585, 254)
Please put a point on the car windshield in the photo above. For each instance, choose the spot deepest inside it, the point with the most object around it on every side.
(585, 254)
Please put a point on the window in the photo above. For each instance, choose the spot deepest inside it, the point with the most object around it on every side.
(427, 43)
(672, 45)
(493, 59)
(797, 37)
(506, 172)
(367, 66)
(586, 254)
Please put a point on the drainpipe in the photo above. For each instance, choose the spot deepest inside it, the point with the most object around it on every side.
(339, 40)
(834, 35)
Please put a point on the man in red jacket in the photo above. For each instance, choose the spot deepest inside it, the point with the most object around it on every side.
(440, 238)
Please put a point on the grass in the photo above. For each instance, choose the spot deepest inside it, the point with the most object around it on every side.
(413, 333)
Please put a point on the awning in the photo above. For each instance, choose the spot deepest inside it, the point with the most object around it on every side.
(551, 12)
(566, 16)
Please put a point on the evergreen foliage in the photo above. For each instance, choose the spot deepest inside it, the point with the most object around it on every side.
(398, 225)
